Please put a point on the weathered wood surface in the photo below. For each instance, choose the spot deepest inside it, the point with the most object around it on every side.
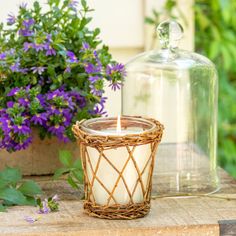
(196, 216)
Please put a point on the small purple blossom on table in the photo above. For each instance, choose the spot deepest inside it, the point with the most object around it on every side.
(48, 205)
(30, 219)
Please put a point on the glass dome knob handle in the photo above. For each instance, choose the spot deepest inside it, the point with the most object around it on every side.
(170, 32)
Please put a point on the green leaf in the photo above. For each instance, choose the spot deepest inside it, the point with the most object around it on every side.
(12, 195)
(149, 20)
(2, 208)
(3, 183)
(65, 158)
(30, 188)
(10, 175)
(78, 164)
(84, 4)
(59, 172)
(31, 201)
(214, 50)
(71, 182)
(78, 174)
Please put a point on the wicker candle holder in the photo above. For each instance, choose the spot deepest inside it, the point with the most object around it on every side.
(118, 163)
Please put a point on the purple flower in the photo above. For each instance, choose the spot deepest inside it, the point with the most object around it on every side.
(10, 104)
(117, 69)
(95, 91)
(79, 100)
(44, 208)
(50, 51)
(23, 5)
(48, 205)
(28, 23)
(103, 101)
(93, 79)
(38, 70)
(21, 129)
(41, 99)
(98, 110)
(68, 69)
(38, 47)
(26, 32)
(23, 144)
(3, 56)
(11, 51)
(49, 37)
(72, 57)
(91, 68)
(85, 46)
(39, 119)
(15, 67)
(5, 124)
(115, 85)
(30, 219)
(27, 46)
(55, 198)
(56, 129)
(11, 19)
(23, 70)
(73, 4)
(63, 138)
(24, 102)
(13, 92)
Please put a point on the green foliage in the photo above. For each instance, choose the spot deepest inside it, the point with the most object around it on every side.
(215, 37)
(215, 32)
(15, 191)
(72, 170)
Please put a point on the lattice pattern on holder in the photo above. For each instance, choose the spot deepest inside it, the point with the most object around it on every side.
(118, 186)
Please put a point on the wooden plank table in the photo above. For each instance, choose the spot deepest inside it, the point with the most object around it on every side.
(169, 216)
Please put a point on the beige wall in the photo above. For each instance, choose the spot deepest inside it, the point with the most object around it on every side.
(123, 29)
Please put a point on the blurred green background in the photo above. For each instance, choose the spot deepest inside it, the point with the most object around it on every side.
(215, 37)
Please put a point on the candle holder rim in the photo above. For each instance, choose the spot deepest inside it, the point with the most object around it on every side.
(102, 133)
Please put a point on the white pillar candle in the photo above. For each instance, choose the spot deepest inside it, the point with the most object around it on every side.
(109, 176)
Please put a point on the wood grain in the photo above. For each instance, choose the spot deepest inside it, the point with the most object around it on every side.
(195, 216)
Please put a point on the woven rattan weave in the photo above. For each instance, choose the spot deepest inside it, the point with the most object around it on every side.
(113, 209)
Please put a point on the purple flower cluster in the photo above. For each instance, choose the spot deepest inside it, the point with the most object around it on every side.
(53, 73)
(26, 29)
(46, 46)
(15, 133)
(115, 74)
(53, 111)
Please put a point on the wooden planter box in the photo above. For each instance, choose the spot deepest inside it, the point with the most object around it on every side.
(41, 158)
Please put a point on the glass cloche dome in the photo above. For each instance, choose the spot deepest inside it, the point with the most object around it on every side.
(180, 89)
